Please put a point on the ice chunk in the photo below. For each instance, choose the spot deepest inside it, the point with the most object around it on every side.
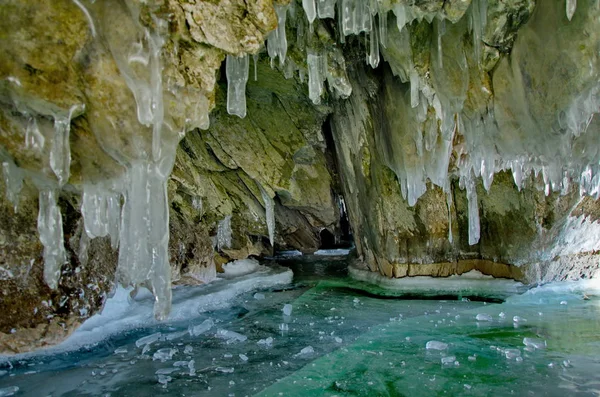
(338, 339)
(258, 296)
(326, 8)
(265, 342)
(518, 319)
(512, 354)
(287, 309)
(436, 345)
(224, 233)
(240, 267)
(310, 10)
(308, 350)
(188, 349)
(50, 229)
(236, 69)
(164, 354)
(448, 361)
(121, 350)
(269, 214)
(9, 391)
(231, 336)
(225, 370)
(201, 328)
(13, 181)
(146, 340)
(164, 379)
(277, 41)
(535, 343)
(243, 357)
(571, 7)
(483, 317)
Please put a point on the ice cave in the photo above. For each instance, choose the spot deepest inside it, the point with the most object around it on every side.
(299, 198)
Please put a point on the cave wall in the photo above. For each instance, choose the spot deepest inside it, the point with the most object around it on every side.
(460, 134)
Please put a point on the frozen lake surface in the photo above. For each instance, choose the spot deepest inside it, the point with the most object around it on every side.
(323, 333)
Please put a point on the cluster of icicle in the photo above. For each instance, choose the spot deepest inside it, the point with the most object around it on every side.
(133, 209)
(433, 138)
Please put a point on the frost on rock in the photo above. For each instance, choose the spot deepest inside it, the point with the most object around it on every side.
(277, 41)
(50, 229)
(236, 69)
(224, 233)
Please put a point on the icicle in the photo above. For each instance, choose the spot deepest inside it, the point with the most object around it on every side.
(315, 76)
(440, 30)
(373, 57)
(50, 230)
(60, 153)
(144, 237)
(383, 34)
(571, 7)
(113, 208)
(401, 17)
(269, 214)
(449, 205)
(310, 10)
(237, 76)
(13, 182)
(33, 137)
(94, 212)
(326, 8)
(224, 233)
(82, 253)
(414, 88)
(473, 210)
(277, 41)
(255, 58)
(478, 21)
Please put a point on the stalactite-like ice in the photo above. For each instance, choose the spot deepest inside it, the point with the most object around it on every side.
(101, 210)
(478, 21)
(144, 237)
(224, 233)
(310, 10)
(571, 7)
(236, 69)
(269, 214)
(60, 153)
(13, 182)
(50, 230)
(326, 8)
(317, 69)
(277, 41)
(373, 56)
(33, 137)
(355, 16)
(468, 183)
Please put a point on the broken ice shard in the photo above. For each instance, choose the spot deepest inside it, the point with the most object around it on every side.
(236, 69)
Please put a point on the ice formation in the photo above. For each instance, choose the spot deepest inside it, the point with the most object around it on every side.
(60, 153)
(277, 41)
(13, 180)
(224, 233)
(269, 214)
(51, 236)
(236, 69)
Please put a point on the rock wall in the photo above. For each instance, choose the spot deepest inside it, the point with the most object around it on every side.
(455, 135)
